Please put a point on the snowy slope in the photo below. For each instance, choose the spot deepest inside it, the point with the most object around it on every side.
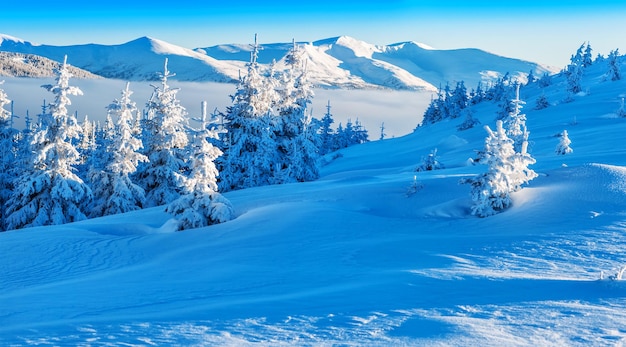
(29, 65)
(351, 259)
(341, 62)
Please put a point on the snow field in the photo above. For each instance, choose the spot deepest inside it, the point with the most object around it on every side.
(350, 259)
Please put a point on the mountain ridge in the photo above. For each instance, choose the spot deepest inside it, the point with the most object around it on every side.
(339, 62)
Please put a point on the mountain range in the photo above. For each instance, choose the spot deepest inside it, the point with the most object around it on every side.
(341, 62)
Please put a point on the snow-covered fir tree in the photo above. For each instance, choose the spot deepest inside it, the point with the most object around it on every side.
(304, 154)
(515, 123)
(7, 159)
(545, 80)
(201, 204)
(469, 120)
(434, 111)
(114, 190)
(430, 162)
(326, 132)
(574, 72)
(163, 175)
(251, 156)
(564, 144)
(86, 145)
(541, 102)
(49, 192)
(296, 140)
(587, 56)
(613, 64)
(506, 172)
(530, 79)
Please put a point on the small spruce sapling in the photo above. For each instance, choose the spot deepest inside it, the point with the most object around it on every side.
(563, 147)
(415, 187)
(430, 162)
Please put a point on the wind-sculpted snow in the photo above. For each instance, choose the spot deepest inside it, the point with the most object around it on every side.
(353, 259)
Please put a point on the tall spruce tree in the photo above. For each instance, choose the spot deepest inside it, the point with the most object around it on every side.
(49, 192)
(7, 159)
(201, 204)
(164, 174)
(114, 190)
(251, 157)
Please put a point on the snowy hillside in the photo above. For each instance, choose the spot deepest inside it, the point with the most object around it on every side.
(341, 62)
(28, 65)
(353, 258)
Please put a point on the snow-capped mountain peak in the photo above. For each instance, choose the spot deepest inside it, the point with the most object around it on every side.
(338, 62)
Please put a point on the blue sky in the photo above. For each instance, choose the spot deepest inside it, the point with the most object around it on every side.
(541, 31)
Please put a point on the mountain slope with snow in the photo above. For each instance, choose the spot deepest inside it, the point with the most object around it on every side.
(341, 62)
(29, 65)
(354, 258)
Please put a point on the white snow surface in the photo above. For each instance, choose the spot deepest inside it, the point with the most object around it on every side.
(341, 62)
(350, 259)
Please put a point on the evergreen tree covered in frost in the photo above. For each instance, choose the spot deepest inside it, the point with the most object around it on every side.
(303, 153)
(326, 132)
(469, 121)
(202, 205)
(542, 102)
(296, 141)
(506, 172)
(252, 156)
(563, 147)
(515, 123)
(434, 111)
(7, 157)
(50, 192)
(613, 73)
(430, 162)
(164, 174)
(587, 56)
(113, 188)
(574, 72)
(86, 146)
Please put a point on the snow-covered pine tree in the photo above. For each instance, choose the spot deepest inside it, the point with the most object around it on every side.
(87, 143)
(457, 101)
(515, 123)
(202, 205)
(506, 172)
(120, 194)
(435, 112)
(7, 159)
(326, 132)
(542, 102)
(360, 134)
(304, 155)
(614, 71)
(294, 134)
(252, 154)
(545, 80)
(587, 57)
(49, 192)
(574, 72)
(469, 121)
(163, 175)
(530, 79)
(430, 162)
(563, 147)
